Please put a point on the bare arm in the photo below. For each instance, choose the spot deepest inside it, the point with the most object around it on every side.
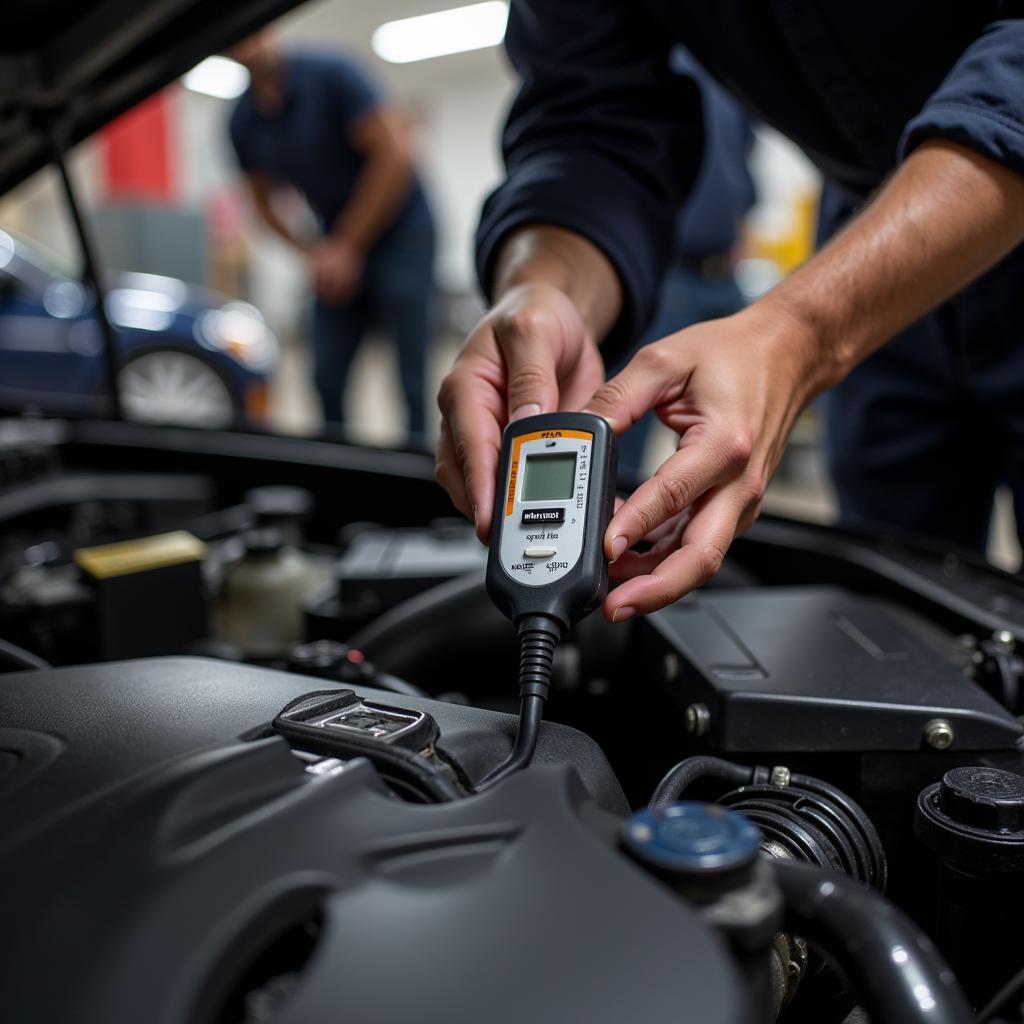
(262, 192)
(732, 388)
(944, 218)
(382, 137)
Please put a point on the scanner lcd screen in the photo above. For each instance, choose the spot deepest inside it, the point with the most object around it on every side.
(550, 477)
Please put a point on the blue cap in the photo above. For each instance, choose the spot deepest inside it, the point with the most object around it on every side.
(692, 838)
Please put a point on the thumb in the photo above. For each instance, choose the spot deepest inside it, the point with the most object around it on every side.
(640, 386)
(530, 342)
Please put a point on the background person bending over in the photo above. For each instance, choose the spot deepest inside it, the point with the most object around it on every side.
(314, 122)
(601, 146)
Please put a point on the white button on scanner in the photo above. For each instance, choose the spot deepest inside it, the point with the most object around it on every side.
(539, 552)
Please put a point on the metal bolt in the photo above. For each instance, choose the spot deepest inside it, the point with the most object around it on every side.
(938, 733)
(670, 667)
(698, 719)
(780, 776)
(1003, 637)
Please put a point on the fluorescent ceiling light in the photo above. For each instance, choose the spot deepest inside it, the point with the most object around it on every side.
(444, 32)
(218, 76)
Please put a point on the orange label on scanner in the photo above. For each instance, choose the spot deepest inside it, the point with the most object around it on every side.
(537, 435)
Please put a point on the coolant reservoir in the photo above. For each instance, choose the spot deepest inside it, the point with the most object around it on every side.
(262, 599)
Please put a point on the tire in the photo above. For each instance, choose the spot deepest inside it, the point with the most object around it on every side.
(170, 386)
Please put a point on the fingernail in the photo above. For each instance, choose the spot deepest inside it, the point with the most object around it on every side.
(619, 544)
(476, 516)
(623, 614)
(530, 409)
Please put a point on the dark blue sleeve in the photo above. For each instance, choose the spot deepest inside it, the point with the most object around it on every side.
(349, 89)
(602, 139)
(981, 101)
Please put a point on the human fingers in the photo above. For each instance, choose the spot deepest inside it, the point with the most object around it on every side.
(707, 457)
(471, 400)
(529, 338)
(705, 542)
(448, 473)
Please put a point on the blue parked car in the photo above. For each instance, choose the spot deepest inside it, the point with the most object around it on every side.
(187, 355)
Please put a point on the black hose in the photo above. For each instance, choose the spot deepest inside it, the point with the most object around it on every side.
(895, 971)
(419, 622)
(1013, 989)
(684, 774)
(18, 658)
(386, 681)
(538, 638)
(403, 769)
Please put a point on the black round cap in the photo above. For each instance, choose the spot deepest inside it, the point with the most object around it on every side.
(986, 798)
(974, 818)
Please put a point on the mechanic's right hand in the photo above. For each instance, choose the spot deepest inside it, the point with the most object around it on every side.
(530, 354)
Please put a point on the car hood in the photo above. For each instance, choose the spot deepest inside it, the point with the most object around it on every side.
(67, 68)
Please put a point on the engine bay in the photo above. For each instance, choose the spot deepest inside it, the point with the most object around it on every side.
(251, 687)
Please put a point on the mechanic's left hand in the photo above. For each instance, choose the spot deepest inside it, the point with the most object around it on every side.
(732, 389)
(337, 268)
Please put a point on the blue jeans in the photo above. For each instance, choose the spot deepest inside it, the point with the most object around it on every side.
(921, 434)
(687, 297)
(398, 295)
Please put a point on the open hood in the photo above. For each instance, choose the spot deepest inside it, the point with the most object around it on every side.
(67, 68)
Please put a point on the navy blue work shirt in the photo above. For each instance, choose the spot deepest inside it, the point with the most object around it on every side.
(306, 142)
(723, 191)
(604, 140)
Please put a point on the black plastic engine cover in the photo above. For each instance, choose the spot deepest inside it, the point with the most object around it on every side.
(814, 668)
(155, 869)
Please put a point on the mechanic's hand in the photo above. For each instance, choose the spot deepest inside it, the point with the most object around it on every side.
(732, 389)
(337, 269)
(530, 354)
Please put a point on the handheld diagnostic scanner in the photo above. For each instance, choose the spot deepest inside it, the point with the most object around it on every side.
(546, 567)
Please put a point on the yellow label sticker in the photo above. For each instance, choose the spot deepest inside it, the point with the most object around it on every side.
(140, 555)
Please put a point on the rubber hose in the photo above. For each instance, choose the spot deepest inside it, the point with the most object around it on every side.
(18, 658)
(684, 774)
(896, 972)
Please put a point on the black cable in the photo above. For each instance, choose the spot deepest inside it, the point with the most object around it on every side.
(538, 637)
(1013, 988)
(892, 966)
(410, 770)
(684, 774)
(18, 658)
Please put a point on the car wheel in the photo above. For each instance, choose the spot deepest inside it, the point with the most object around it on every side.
(174, 387)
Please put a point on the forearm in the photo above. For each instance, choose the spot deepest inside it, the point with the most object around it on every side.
(265, 208)
(381, 188)
(541, 254)
(282, 230)
(943, 219)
